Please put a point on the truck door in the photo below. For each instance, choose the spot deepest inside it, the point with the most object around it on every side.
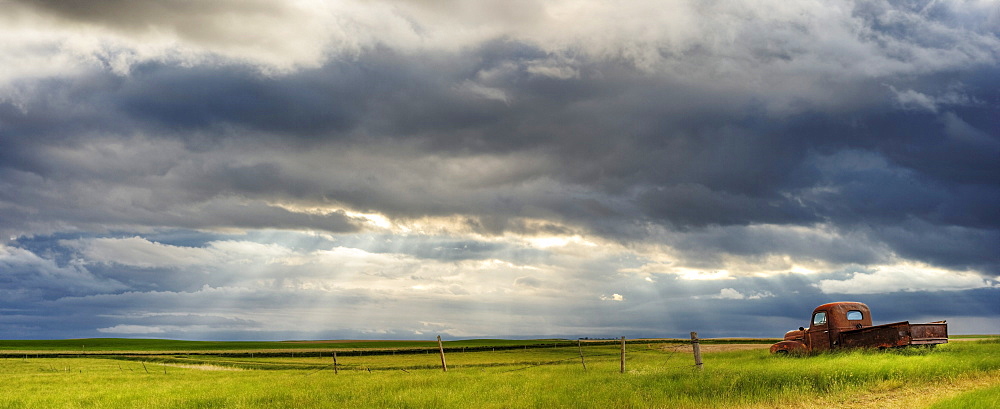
(819, 332)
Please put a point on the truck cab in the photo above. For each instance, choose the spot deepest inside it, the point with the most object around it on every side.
(828, 320)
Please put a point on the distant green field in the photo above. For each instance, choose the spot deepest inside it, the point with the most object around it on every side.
(123, 344)
(973, 336)
(657, 374)
(92, 345)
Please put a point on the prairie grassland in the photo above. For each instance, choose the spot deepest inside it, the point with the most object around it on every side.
(657, 376)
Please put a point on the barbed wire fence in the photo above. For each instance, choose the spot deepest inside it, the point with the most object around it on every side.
(597, 353)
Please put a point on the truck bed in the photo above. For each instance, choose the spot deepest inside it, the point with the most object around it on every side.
(897, 334)
(929, 334)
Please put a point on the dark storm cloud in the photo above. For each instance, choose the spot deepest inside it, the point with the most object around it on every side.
(949, 246)
(196, 21)
(651, 148)
(311, 103)
(847, 245)
(697, 205)
(26, 276)
(94, 210)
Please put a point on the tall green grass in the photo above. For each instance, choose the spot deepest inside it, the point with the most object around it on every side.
(656, 376)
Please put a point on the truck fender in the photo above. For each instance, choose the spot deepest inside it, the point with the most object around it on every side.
(789, 347)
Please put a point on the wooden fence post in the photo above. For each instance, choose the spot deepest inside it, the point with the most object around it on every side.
(444, 365)
(335, 370)
(623, 355)
(697, 350)
(579, 344)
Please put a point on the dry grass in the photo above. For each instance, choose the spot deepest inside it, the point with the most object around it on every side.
(347, 341)
(714, 347)
(902, 396)
(203, 367)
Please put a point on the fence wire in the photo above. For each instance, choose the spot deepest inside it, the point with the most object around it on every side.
(533, 357)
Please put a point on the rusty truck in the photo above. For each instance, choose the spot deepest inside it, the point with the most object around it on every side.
(841, 325)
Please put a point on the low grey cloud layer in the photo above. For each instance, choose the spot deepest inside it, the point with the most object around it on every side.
(277, 170)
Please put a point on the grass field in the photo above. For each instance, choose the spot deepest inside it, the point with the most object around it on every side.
(539, 374)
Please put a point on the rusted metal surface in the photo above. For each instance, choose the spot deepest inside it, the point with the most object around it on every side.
(931, 333)
(882, 336)
(789, 347)
(849, 325)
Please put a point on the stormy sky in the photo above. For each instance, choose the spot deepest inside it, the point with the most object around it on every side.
(400, 169)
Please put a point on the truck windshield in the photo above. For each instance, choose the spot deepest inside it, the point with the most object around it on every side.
(854, 315)
(819, 318)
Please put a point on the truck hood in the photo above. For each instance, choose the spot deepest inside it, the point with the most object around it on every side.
(794, 335)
